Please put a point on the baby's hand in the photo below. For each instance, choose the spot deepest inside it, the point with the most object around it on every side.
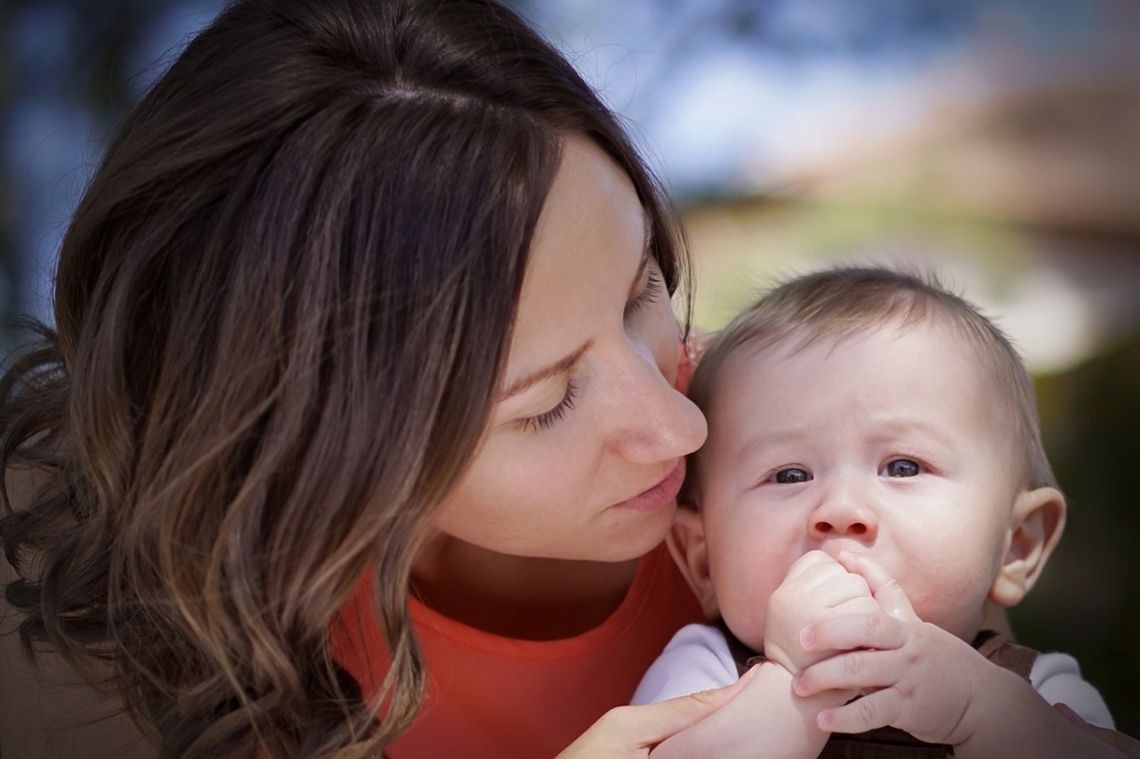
(918, 677)
(817, 587)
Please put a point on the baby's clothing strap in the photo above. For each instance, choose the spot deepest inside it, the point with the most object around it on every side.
(1005, 653)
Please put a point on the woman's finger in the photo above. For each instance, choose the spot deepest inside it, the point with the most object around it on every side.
(884, 587)
(656, 722)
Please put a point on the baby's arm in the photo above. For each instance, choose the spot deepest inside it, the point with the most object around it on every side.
(766, 716)
(763, 719)
(931, 684)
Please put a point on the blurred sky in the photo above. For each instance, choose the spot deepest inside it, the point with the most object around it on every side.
(730, 96)
(726, 98)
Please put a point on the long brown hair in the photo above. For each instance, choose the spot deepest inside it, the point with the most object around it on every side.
(281, 309)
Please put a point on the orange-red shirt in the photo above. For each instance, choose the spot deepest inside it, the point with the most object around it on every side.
(490, 696)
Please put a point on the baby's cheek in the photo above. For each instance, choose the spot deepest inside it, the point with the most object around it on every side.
(747, 611)
(952, 604)
(753, 636)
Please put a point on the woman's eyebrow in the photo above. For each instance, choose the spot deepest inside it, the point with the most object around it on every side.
(560, 366)
(564, 364)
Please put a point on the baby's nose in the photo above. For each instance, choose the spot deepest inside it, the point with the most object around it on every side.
(843, 515)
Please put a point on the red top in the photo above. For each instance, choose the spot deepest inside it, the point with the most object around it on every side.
(490, 696)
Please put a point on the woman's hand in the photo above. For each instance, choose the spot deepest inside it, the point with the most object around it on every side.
(633, 731)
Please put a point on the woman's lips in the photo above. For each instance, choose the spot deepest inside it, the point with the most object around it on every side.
(660, 495)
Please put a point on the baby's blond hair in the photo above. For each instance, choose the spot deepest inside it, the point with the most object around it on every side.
(845, 301)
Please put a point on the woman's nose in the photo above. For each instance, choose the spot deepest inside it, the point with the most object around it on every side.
(655, 422)
(843, 512)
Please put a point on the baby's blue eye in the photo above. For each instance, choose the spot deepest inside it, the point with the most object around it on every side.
(901, 468)
(792, 475)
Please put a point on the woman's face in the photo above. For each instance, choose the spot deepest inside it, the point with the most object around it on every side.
(585, 447)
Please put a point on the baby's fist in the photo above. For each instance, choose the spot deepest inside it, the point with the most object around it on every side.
(816, 587)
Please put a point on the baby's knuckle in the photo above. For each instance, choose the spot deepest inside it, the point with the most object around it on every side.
(866, 710)
(853, 665)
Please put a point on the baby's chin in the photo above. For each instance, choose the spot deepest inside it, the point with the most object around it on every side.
(750, 634)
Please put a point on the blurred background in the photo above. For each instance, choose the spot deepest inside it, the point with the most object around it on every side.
(996, 142)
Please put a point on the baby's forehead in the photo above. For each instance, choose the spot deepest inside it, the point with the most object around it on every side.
(924, 348)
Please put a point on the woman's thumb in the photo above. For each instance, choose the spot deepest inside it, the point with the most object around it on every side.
(656, 722)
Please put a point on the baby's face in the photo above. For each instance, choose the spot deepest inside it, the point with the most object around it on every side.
(892, 443)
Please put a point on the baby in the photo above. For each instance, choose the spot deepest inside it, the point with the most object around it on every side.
(864, 426)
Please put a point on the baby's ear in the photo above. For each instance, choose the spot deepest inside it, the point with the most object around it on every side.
(686, 542)
(1036, 524)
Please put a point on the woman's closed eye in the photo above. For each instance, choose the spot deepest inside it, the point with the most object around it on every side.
(548, 419)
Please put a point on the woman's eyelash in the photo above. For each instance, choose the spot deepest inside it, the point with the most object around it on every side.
(548, 419)
(648, 294)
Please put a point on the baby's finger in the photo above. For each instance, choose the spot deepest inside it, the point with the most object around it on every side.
(808, 560)
(884, 587)
(858, 671)
(843, 588)
(859, 605)
(851, 631)
(872, 711)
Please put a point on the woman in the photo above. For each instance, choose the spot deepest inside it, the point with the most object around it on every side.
(364, 340)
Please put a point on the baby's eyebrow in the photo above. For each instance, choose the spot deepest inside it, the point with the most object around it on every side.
(749, 448)
(930, 431)
(884, 430)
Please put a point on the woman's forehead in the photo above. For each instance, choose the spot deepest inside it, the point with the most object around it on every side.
(587, 249)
